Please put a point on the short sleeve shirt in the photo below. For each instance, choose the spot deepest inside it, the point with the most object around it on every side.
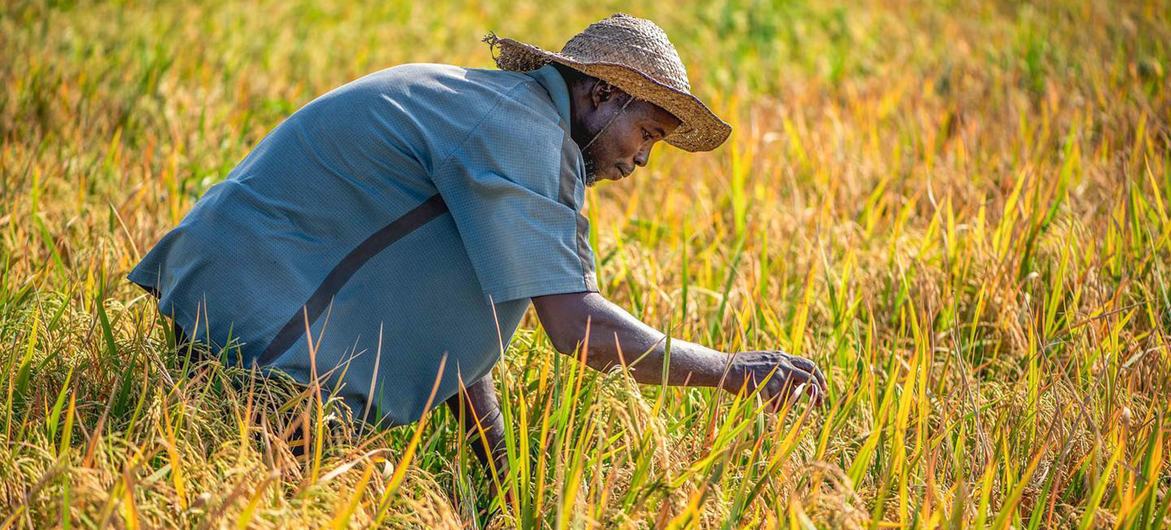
(387, 235)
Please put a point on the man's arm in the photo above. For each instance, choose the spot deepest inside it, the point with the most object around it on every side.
(618, 338)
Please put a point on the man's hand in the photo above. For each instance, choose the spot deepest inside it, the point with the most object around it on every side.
(784, 377)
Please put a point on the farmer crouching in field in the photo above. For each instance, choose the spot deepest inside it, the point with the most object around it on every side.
(392, 232)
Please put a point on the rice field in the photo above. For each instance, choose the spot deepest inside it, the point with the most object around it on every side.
(960, 209)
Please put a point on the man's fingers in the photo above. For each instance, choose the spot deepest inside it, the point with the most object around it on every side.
(819, 394)
(794, 392)
(821, 380)
(781, 391)
(802, 363)
(786, 378)
(787, 385)
(806, 365)
(812, 368)
(812, 387)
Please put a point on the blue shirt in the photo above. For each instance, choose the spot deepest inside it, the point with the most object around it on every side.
(403, 219)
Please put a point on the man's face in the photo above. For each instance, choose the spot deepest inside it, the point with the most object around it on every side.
(628, 139)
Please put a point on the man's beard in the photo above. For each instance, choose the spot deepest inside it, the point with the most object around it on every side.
(591, 172)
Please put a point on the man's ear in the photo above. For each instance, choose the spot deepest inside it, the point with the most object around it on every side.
(602, 92)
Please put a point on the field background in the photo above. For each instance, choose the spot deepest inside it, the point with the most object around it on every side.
(960, 209)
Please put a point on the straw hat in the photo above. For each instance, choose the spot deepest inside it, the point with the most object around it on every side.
(634, 55)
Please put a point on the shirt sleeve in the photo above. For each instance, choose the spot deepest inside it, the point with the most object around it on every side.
(515, 189)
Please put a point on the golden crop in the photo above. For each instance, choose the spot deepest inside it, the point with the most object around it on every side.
(959, 209)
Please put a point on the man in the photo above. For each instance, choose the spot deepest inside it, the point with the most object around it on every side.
(389, 235)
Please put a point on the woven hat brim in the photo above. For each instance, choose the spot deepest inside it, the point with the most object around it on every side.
(699, 129)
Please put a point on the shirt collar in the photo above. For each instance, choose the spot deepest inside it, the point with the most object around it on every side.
(554, 84)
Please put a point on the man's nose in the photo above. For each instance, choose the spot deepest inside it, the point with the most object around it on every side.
(643, 156)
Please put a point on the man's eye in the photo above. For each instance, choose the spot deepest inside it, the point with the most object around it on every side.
(646, 135)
